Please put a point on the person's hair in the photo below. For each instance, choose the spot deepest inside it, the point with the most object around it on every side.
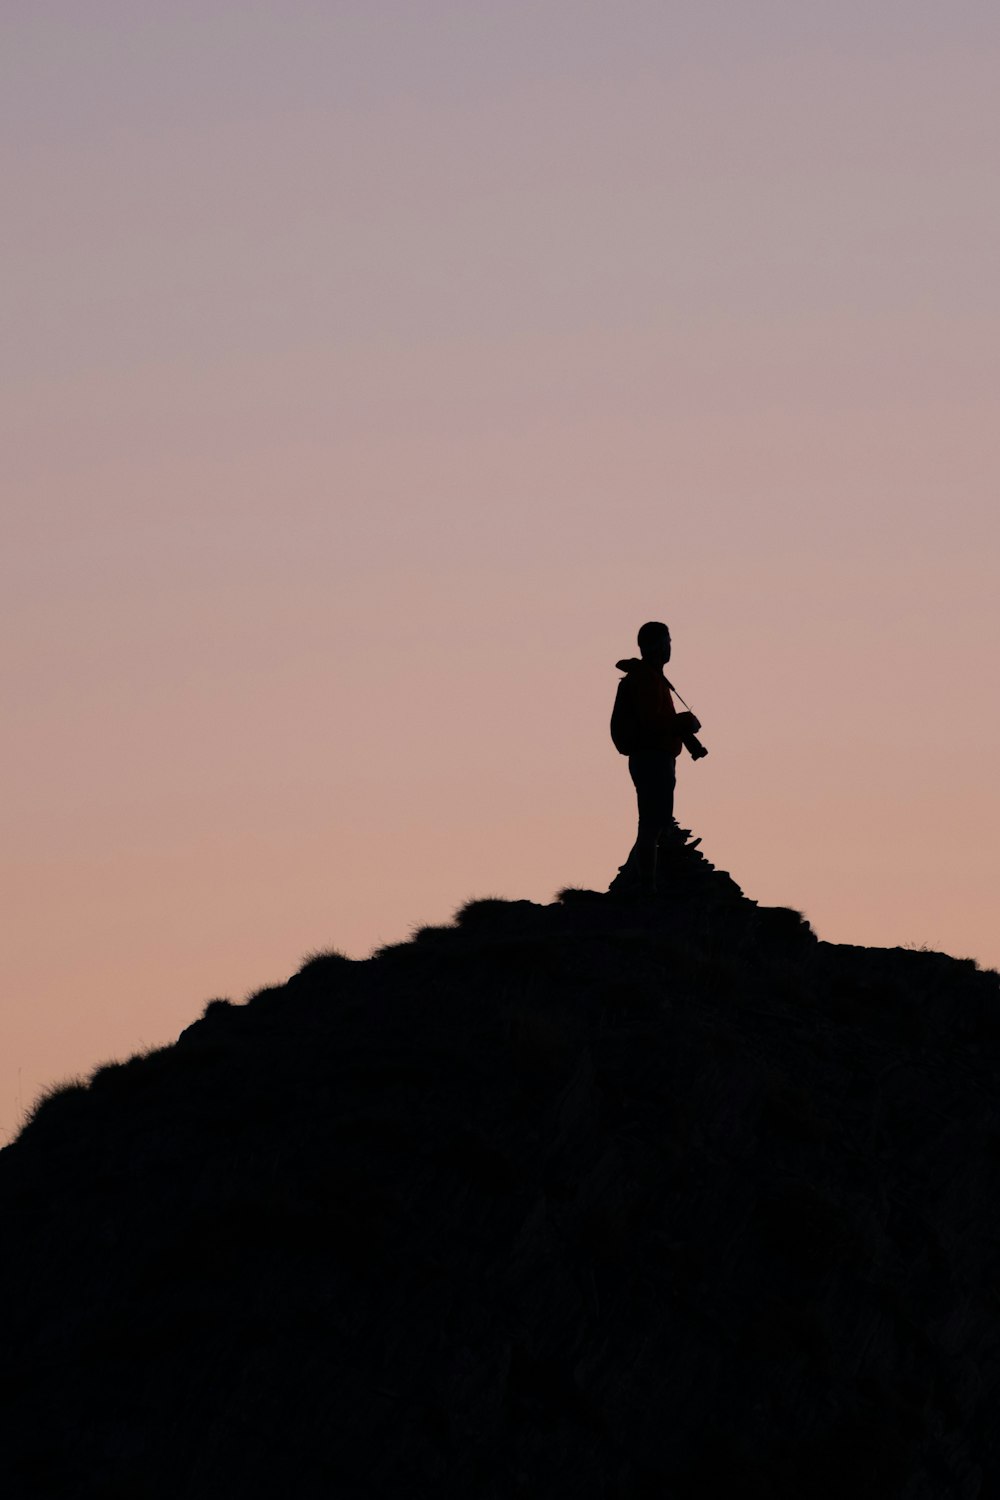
(649, 633)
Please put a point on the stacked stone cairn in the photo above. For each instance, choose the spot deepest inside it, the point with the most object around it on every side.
(682, 872)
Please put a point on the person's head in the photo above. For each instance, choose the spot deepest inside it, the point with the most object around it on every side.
(654, 642)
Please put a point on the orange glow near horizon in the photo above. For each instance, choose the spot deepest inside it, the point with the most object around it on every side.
(369, 383)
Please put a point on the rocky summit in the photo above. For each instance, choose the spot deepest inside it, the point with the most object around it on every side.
(609, 1198)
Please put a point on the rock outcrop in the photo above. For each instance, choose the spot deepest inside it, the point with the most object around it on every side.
(603, 1198)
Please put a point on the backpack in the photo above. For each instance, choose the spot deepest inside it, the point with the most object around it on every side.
(624, 719)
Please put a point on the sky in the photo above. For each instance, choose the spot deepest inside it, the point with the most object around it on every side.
(372, 370)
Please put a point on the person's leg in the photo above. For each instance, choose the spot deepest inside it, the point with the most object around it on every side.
(653, 774)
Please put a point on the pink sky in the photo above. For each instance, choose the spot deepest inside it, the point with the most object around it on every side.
(373, 370)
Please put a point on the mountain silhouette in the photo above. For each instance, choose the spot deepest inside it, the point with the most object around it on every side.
(604, 1198)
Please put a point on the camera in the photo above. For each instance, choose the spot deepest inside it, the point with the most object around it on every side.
(687, 725)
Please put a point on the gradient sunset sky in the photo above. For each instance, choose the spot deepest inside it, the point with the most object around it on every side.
(373, 370)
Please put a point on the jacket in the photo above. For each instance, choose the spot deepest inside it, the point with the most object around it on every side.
(644, 716)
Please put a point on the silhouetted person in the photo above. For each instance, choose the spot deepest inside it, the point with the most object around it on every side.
(646, 726)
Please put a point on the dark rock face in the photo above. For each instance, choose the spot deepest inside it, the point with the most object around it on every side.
(606, 1199)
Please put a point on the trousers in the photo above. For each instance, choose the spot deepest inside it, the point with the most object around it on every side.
(654, 775)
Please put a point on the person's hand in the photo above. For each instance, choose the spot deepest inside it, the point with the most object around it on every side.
(688, 723)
